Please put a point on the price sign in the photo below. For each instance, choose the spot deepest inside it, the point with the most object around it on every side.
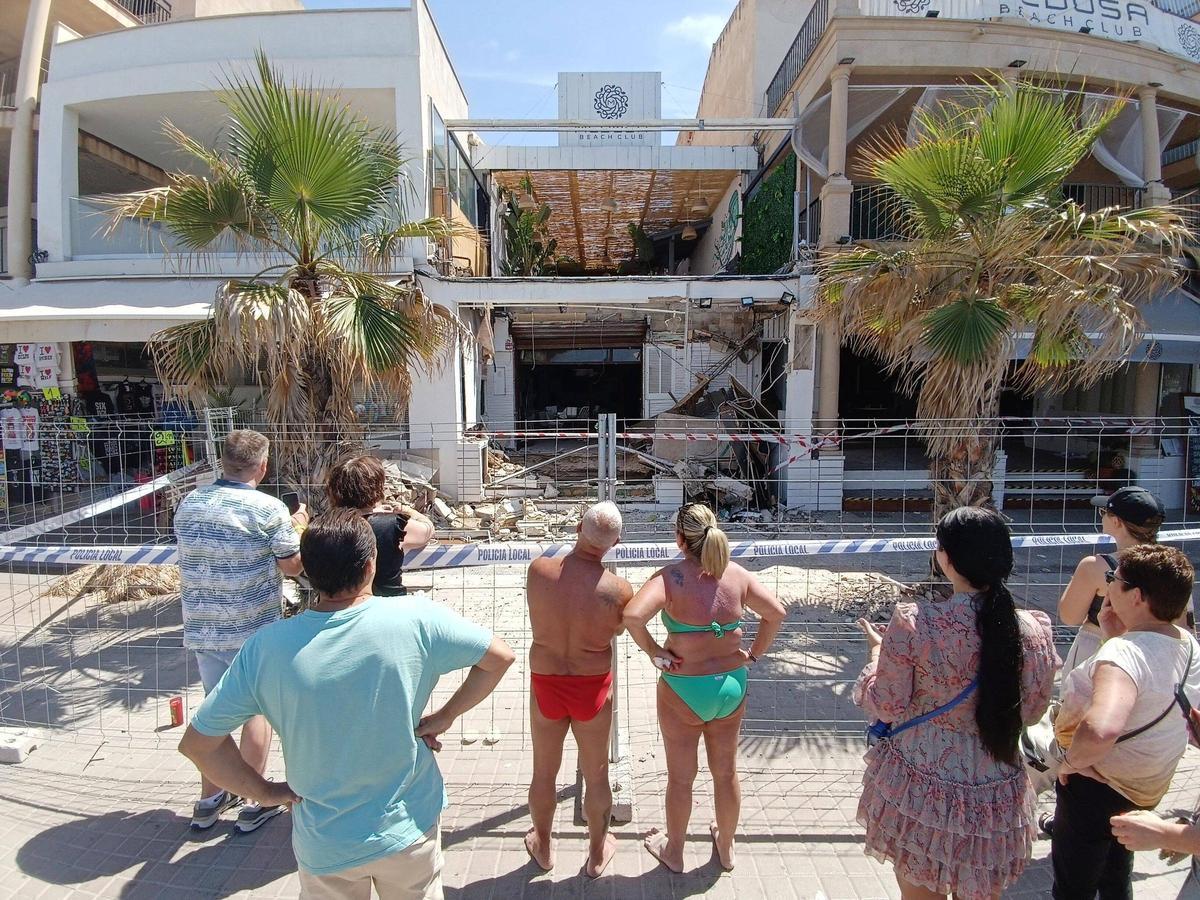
(79, 424)
(163, 438)
(52, 393)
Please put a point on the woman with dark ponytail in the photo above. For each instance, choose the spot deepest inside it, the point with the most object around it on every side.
(946, 798)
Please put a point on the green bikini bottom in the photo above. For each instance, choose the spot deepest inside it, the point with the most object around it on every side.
(710, 696)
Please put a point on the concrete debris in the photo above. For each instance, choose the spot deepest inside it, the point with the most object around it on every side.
(441, 509)
(730, 486)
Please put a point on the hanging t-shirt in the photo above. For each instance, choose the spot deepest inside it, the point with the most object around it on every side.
(126, 400)
(1140, 768)
(144, 394)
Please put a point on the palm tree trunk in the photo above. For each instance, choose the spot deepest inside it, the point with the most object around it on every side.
(963, 477)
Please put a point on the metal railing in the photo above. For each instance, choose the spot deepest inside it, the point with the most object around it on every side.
(1188, 204)
(875, 213)
(149, 12)
(1100, 196)
(1181, 153)
(4, 249)
(875, 209)
(797, 55)
(1186, 9)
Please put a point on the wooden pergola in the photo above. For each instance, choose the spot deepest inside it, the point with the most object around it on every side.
(591, 209)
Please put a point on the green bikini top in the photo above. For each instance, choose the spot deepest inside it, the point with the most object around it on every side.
(674, 626)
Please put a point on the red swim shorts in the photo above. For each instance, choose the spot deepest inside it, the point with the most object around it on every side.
(579, 697)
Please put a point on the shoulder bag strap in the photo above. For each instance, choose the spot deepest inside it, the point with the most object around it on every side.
(1174, 701)
(944, 708)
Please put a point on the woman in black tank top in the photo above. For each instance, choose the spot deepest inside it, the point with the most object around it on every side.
(358, 483)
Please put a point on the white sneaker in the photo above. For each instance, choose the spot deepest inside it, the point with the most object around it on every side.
(205, 813)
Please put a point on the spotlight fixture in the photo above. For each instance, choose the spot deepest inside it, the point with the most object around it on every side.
(1086, 29)
(609, 204)
(562, 309)
(932, 14)
(747, 302)
(688, 233)
(704, 302)
(1154, 84)
(1017, 63)
(787, 299)
(846, 61)
(844, 239)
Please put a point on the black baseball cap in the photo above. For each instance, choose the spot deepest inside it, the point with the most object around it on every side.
(1134, 505)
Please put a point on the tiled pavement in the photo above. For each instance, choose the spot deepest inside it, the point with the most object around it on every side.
(100, 810)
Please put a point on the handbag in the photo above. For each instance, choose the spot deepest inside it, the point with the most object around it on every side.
(1042, 753)
(880, 730)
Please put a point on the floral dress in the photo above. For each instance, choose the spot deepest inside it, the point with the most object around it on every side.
(946, 814)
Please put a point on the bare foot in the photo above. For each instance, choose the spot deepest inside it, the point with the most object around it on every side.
(543, 856)
(656, 846)
(726, 858)
(595, 867)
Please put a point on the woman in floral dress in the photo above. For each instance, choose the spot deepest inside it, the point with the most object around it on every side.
(947, 801)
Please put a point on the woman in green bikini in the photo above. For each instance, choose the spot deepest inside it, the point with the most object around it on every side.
(702, 692)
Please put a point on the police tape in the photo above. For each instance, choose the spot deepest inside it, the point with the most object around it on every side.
(455, 556)
(54, 523)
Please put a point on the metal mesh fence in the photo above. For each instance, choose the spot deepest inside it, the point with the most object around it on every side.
(93, 652)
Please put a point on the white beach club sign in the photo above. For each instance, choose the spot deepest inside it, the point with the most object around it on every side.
(609, 98)
(1118, 20)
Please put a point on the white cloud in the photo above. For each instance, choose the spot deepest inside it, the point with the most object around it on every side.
(702, 29)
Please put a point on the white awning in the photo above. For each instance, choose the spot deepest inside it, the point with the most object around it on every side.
(110, 310)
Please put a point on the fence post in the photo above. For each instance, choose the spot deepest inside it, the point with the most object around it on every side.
(620, 775)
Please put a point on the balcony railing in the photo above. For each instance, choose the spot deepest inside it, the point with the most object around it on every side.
(797, 55)
(875, 209)
(1188, 204)
(90, 237)
(1099, 196)
(148, 11)
(1180, 153)
(1188, 9)
(875, 214)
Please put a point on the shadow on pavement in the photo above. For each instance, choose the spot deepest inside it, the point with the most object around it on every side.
(529, 882)
(146, 848)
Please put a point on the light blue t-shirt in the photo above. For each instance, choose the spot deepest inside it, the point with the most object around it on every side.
(344, 691)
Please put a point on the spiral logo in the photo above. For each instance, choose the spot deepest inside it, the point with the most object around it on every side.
(612, 102)
(1189, 39)
(910, 7)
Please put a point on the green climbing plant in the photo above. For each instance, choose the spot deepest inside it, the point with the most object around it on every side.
(767, 222)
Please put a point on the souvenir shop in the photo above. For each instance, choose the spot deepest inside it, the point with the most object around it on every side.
(95, 418)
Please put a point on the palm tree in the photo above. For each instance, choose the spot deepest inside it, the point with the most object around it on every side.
(993, 251)
(304, 181)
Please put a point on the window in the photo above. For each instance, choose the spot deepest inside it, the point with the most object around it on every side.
(438, 177)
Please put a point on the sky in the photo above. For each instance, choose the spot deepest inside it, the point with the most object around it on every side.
(509, 52)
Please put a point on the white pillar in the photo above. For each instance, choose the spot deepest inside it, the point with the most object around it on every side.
(836, 198)
(1146, 380)
(839, 96)
(21, 151)
(66, 368)
(1156, 192)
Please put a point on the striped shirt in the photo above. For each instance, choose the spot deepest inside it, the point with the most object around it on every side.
(230, 536)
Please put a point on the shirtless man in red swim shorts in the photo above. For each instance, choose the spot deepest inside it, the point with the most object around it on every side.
(575, 607)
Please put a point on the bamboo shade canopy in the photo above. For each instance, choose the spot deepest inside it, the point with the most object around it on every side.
(658, 200)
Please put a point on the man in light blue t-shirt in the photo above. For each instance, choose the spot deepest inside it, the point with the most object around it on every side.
(344, 685)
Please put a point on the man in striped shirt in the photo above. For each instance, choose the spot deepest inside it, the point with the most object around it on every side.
(235, 545)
